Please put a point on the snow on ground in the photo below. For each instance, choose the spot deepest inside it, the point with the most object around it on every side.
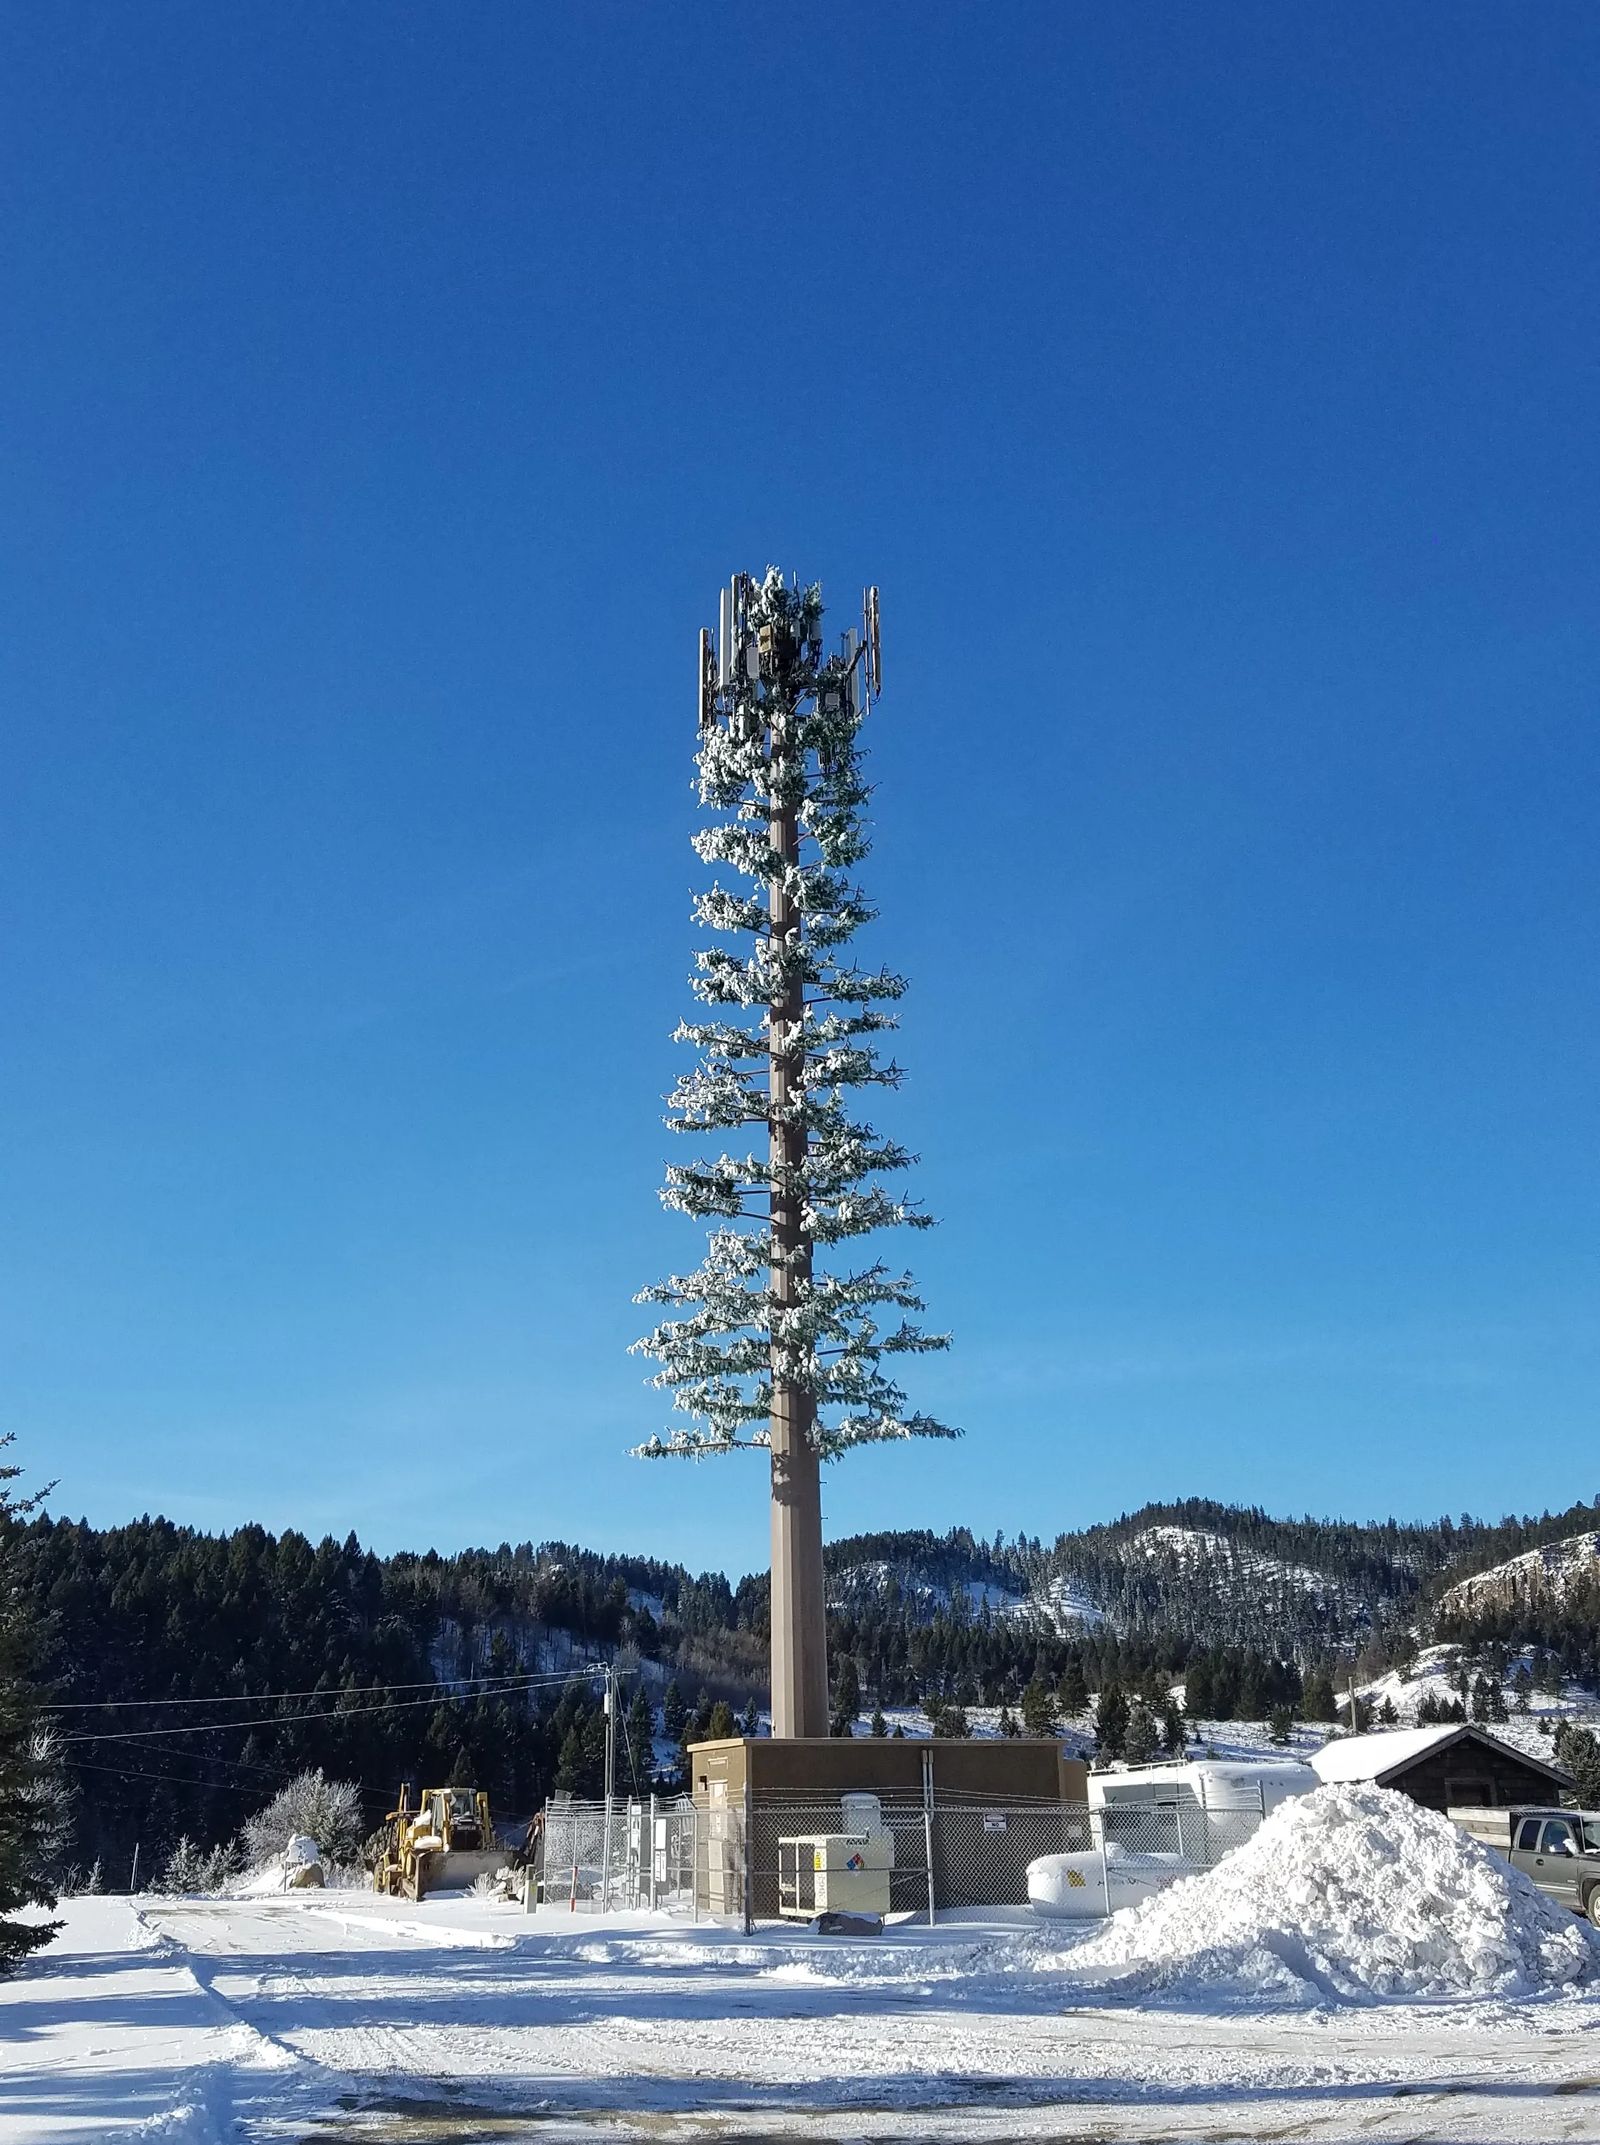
(184, 2022)
(1065, 1605)
(1350, 1893)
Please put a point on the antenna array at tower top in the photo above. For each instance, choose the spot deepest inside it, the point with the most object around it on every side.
(741, 657)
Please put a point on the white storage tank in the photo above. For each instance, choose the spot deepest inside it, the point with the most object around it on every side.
(1085, 1885)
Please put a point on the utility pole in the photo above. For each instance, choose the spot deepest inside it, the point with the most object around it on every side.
(610, 1703)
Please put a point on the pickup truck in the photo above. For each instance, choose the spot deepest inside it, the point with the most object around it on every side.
(1559, 1849)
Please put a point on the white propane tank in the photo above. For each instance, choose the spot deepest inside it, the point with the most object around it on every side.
(1072, 1887)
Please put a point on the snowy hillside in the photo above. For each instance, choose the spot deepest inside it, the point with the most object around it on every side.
(1548, 1572)
(1225, 1576)
(879, 1583)
(1211, 1572)
(1247, 1574)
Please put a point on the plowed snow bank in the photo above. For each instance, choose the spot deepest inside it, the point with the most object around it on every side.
(1348, 1893)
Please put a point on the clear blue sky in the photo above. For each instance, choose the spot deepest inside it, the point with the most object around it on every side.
(387, 390)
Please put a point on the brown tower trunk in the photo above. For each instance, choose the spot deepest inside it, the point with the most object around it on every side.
(799, 1620)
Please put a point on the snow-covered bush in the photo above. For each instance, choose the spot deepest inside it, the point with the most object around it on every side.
(329, 1811)
(221, 1865)
(184, 1871)
(192, 1869)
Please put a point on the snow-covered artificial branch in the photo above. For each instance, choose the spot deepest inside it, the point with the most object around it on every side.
(789, 1035)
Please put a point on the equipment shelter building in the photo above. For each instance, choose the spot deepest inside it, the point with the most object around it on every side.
(991, 1806)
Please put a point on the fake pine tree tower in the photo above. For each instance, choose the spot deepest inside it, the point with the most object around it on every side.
(780, 1338)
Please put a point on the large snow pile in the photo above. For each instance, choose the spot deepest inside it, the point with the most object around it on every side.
(1352, 1892)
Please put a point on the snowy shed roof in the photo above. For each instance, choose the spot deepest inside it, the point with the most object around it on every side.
(1394, 1750)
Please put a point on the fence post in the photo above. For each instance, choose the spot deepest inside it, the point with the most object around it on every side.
(530, 1875)
(1105, 1860)
(927, 1828)
(694, 1862)
(749, 1853)
(650, 1891)
(605, 1858)
(133, 1874)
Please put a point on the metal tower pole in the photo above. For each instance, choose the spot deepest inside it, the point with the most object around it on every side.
(799, 1616)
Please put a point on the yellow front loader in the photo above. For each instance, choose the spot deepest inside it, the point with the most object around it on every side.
(443, 1844)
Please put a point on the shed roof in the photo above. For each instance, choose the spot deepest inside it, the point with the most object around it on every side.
(1393, 1751)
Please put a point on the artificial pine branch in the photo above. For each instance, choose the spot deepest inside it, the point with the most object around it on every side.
(760, 1310)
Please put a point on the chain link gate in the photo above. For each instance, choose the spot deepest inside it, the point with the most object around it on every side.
(620, 1857)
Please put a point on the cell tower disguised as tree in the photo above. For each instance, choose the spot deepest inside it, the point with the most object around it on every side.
(781, 1339)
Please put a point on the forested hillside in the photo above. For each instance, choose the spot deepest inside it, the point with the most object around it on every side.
(191, 1674)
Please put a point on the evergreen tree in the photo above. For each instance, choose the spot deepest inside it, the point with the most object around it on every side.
(1038, 1715)
(1172, 1735)
(750, 1725)
(572, 1767)
(846, 1696)
(639, 1728)
(1111, 1722)
(32, 1816)
(1578, 1749)
(1320, 1702)
(880, 1727)
(1142, 1738)
(1199, 1695)
(1072, 1692)
(1280, 1724)
(721, 1726)
(674, 1715)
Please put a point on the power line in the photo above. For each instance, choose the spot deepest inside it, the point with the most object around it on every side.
(290, 1720)
(219, 1787)
(368, 1690)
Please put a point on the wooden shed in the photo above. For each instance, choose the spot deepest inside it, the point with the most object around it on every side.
(1446, 1767)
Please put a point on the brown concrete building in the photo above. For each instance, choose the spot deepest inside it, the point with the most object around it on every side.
(981, 1810)
(1023, 1768)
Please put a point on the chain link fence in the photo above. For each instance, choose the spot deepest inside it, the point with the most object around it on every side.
(596, 1858)
(769, 1856)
